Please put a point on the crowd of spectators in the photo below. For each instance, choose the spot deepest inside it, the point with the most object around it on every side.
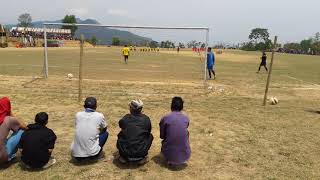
(38, 33)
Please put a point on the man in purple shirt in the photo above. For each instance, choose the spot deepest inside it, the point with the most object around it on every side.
(174, 132)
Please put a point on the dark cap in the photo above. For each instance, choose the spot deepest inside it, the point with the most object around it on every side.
(90, 102)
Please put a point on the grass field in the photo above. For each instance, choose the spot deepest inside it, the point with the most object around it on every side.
(232, 136)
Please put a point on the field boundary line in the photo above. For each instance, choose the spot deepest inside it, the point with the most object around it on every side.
(183, 83)
(306, 82)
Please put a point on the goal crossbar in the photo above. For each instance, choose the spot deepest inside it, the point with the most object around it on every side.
(46, 71)
(129, 27)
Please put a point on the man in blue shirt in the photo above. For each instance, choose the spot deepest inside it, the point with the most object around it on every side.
(210, 63)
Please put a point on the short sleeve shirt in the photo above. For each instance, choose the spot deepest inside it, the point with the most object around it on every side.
(125, 51)
(10, 123)
(86, 139)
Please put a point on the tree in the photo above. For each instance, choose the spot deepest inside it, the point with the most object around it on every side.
(167, 44)
(192, 44)
(248, 46)
(154, 44)
(94, 40)
(181, 45)
(292, 46)
(306, 45)
(115, 41)
(70, 19)
(25, 20)
(316, 48)
(259, 35)
(317, 37)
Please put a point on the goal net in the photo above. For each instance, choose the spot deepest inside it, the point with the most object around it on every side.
(155, 53)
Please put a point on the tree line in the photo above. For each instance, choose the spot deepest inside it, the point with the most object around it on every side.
(259, 40)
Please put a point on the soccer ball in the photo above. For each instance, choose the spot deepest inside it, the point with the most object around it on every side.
(274, 101)
(70, 76)
(210, 88)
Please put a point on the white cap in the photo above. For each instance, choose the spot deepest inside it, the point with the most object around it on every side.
(136, 104)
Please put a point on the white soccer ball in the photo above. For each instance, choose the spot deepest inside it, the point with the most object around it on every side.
(210, 88)
(70, 76)
(274, 101)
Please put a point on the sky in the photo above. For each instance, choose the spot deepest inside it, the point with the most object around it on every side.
(230, 20)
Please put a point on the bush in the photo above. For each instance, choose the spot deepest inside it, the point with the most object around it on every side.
(249, 46)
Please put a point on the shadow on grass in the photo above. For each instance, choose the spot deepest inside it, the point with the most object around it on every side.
(159, 159)
(83, 162)
(24, 168)
(312, 111)
(87, 162)
(21, 165)
(121, 165)
(34, 79)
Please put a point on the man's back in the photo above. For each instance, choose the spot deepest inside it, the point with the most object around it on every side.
(125, 51)
(37, 140)
(264, 58)
(86, 140)
(175, 135)
(135, 137)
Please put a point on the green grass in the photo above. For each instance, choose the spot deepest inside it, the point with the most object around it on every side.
(248, 141)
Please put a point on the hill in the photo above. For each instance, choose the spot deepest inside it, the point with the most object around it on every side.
(104, 35)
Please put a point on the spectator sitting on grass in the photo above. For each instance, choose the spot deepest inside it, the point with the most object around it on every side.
(135, 138)
(91, 132)
(174, 132)
(9, 147)
(37, 143)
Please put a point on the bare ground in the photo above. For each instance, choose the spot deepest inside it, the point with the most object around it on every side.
(232, 136)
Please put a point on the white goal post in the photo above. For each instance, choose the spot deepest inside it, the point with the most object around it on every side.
(205, 29)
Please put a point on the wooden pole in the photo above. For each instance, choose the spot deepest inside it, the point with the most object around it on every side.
(80, 67)
(270, 71)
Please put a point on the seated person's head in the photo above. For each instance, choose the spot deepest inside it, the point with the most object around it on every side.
(136, 107)
(177, 104)
(42, 118)
(91, 103)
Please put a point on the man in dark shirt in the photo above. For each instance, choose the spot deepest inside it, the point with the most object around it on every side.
(37, 143)
(135, 138)
(263, 62)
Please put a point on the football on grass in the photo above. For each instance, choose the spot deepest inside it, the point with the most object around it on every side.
(70, 76)
(274, 101)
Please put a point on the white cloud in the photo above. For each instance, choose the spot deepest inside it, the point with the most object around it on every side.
(118, 12)
(81, 12)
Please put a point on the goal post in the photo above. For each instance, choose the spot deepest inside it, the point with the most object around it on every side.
(206, 31)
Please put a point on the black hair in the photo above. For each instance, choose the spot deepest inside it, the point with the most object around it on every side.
(177, 104)
(209, 48)
(90, 102)
(135, 111)
(42, 118)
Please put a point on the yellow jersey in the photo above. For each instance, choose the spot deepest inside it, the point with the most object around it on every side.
(125, 51)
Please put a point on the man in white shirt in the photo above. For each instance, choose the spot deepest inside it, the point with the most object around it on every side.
(91, 132)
